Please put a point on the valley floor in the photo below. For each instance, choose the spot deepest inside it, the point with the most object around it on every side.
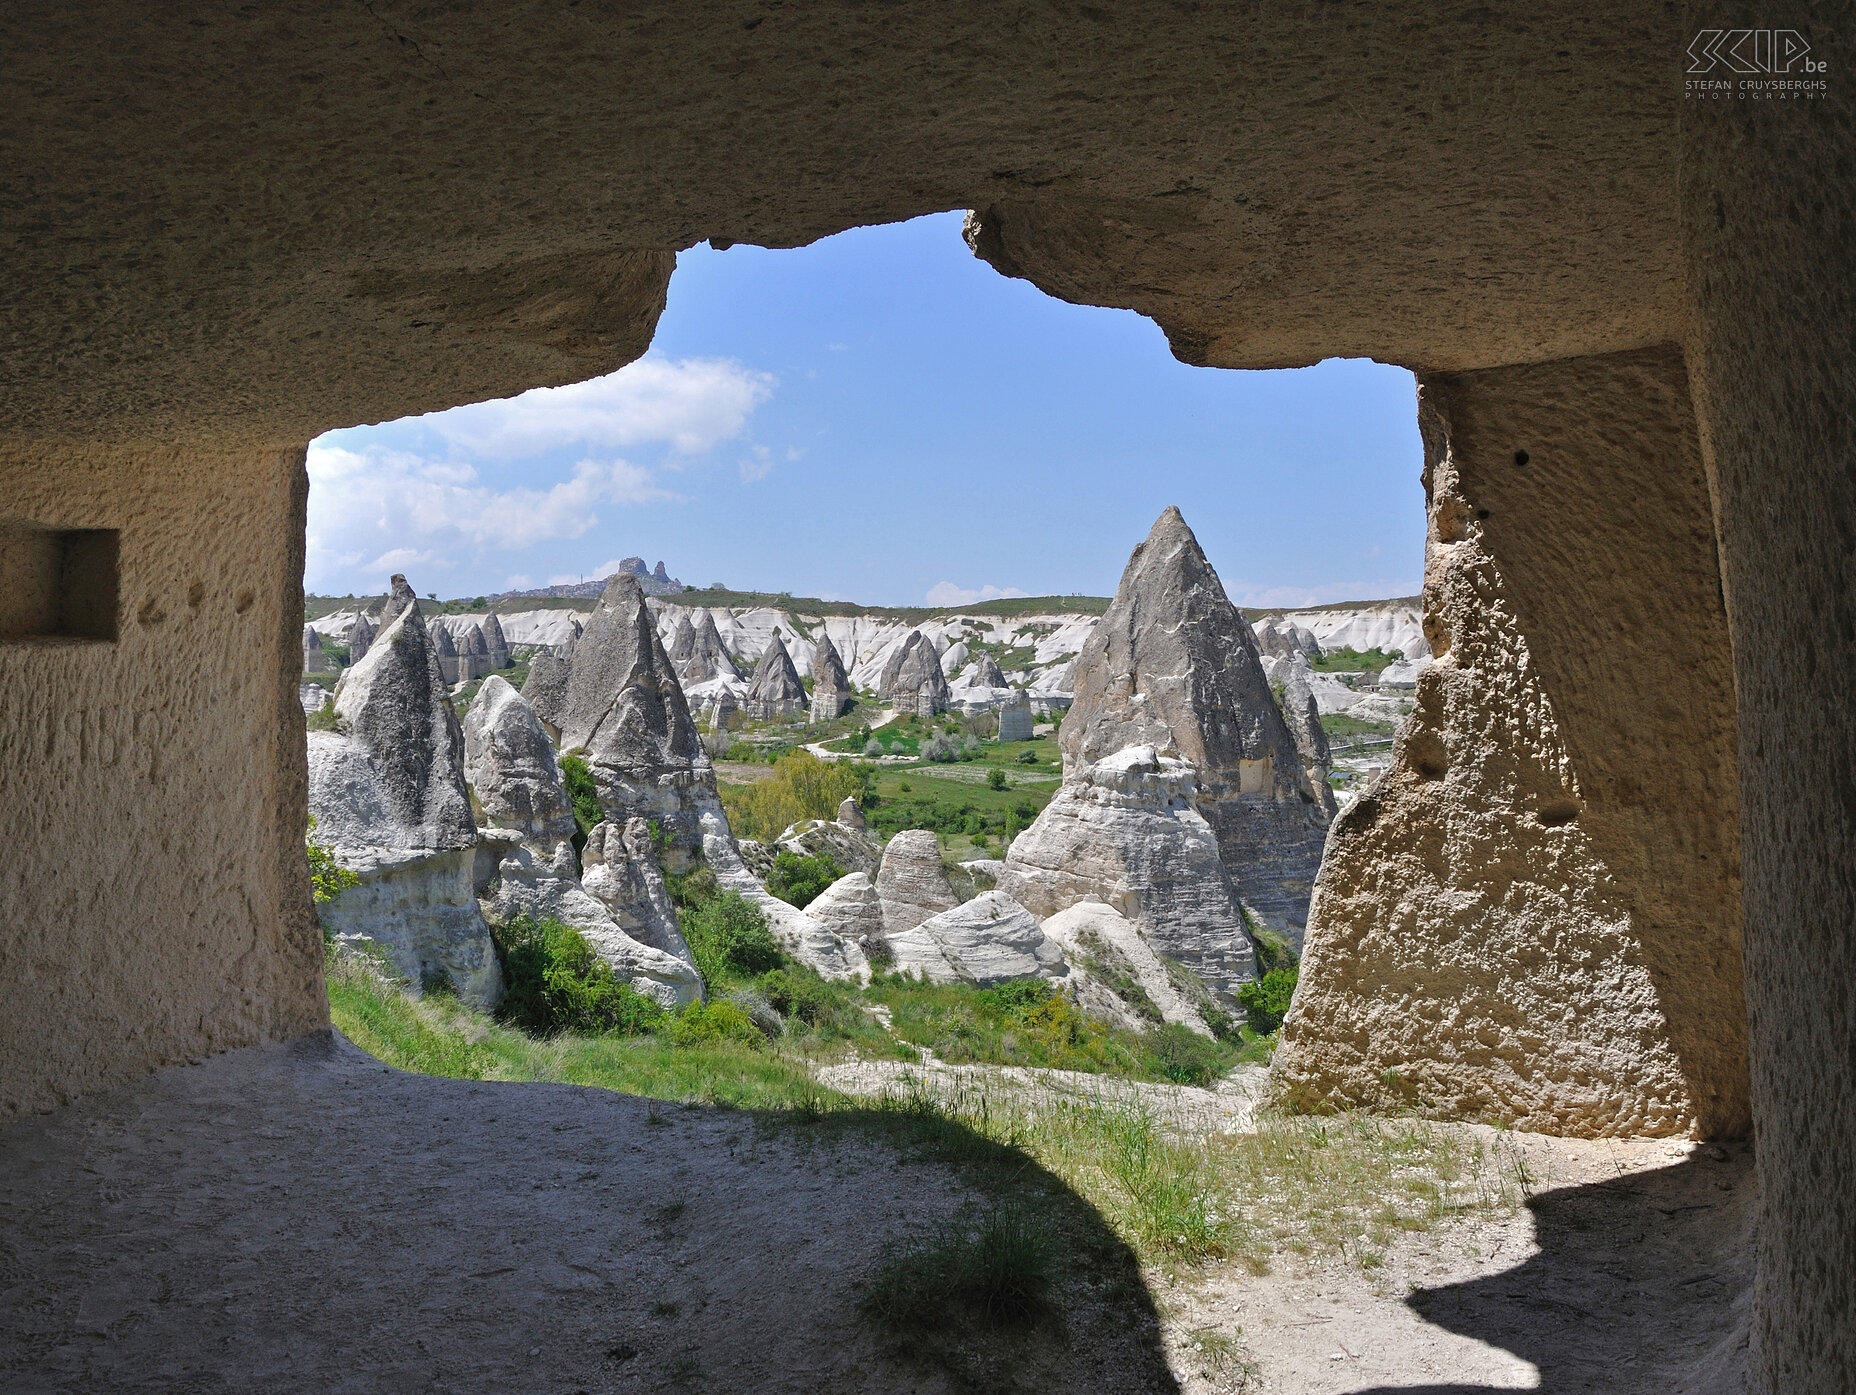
(302, 1217)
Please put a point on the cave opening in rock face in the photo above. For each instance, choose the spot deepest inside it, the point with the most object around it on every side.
(1628, 287)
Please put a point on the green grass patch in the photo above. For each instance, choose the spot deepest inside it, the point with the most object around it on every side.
(998, 1267)
(1353, 661)
(1341, 728)
(1028, 1023)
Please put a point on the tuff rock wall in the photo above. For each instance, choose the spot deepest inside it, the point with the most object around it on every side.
(1533, 917)
(1768, 217)
(157, 907)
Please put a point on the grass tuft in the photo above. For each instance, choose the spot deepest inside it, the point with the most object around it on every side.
(998, 1267)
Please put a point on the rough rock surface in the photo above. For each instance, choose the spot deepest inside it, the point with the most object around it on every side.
(495, 642)
(683, 643)
(526, 863)
(990, 939)
(851, 814)
(625, 708)
(850, 909)
(913, 680)
(360, 636)
(831, 685)
(709, 658)
(1127, 831)
(1015, 722)
(314, 660)
(511, 766)
(1109, 958)
(1508, 927)
(546, 688)
(851, 848)
(806, 939)
(983, 672)
(1302, 714)
(911, 881)
(389, 798)
(641, 938)
(1174, 666)
(775, 689)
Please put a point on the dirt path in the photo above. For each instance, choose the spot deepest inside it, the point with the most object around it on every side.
(301, 1218)
(1625, 1272)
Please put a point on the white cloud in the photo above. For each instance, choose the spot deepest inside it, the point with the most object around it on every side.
(944, 593)
(400, 558)
(404, 511)
(757, 468)
(1257, 597)
(518, 582)
(691, 404)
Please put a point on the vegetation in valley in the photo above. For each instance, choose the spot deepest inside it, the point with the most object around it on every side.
(801, 787)
(1343, 660)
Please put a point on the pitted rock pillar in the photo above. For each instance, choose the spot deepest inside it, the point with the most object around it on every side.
(1534, 917)
(152, 786)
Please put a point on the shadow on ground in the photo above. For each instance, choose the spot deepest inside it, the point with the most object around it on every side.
(301, 1218)
(1639, 1285)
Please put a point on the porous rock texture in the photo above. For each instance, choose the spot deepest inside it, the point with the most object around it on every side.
(1174, 666)
(1127, 831)
(682, 643)
(851, 814)
(775, 689)
(1530, 820)
(990, 939)
(625, 708)
(388, 795)
(623, 909)
(911, 881)
(194, 934)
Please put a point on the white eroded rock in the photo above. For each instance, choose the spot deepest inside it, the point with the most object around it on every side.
(1126, 830)
(990, 939)
(911, 882)
(849, 908)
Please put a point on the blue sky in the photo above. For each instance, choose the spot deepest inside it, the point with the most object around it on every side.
(881, 417)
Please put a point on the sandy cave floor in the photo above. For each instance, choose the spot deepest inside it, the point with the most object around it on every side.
(299, 1217)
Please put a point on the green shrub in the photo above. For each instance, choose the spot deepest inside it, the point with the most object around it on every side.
(1266, 1002)
(1028, 756)
(323, 718)
(555, 983)
(584, 794)
(702, 1023)
(327, 877)
(995, 779)
(801, 787)
(798, 880)
(1185, 1057)
(729, 938)
(696, 887)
